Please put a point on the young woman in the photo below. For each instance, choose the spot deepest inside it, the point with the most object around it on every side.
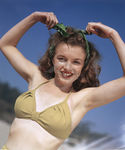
(63, 88)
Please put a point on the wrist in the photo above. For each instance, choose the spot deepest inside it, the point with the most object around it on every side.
(113, 35)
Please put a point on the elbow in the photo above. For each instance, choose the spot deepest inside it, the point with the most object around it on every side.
(2, 45)
(6, 43)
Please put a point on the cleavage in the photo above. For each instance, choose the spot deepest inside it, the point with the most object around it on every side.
(44, 100)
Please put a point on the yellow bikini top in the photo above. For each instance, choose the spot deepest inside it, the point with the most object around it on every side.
(56, 119)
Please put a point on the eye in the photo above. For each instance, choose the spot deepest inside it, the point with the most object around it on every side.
(77, 62)
(61, 59)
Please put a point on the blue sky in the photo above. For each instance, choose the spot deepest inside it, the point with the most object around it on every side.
(77, 13)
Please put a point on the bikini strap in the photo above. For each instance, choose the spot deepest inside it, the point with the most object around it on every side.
(66, 99)
(47, 82)
(41, 84)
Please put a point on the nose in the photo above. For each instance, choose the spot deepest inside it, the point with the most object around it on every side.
(68, 66)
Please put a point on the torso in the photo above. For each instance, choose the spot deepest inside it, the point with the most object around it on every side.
(28, 134)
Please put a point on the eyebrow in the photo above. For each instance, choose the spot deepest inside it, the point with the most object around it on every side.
(78, 59)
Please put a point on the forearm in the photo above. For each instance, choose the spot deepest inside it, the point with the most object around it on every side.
(120, 48)
(9, 41)
(13, 36)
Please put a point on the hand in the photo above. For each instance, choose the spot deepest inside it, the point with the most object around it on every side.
(99, 29)
(47, 18)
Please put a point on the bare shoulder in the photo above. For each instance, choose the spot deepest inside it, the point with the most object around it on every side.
(83, 97)
(36, 79)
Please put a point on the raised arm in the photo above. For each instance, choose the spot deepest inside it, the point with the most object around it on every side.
(10, 40)
(114, 89)
(107, 32)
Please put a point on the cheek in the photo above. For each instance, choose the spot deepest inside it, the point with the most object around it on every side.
(78, 71)
(58, 66)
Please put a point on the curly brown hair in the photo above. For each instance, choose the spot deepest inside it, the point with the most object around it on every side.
(90, 72)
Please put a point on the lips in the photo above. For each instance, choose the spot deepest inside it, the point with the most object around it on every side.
(66, 74)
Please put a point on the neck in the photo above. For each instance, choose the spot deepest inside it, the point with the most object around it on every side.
(62, 86)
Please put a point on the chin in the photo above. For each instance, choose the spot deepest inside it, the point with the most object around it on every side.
(66, 80)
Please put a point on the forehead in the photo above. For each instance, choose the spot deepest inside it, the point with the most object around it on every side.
(71, 51)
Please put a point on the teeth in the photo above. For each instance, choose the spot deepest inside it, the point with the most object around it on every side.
(67, 74)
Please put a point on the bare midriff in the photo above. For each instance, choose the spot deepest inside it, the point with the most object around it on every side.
(26, 134)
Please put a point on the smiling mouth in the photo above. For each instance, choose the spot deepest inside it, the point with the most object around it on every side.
(66, 74)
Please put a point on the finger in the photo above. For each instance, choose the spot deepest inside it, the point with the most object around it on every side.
(53, 22)
(90, 30)
(47, 19)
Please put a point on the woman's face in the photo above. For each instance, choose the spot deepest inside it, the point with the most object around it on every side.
(68, 63)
